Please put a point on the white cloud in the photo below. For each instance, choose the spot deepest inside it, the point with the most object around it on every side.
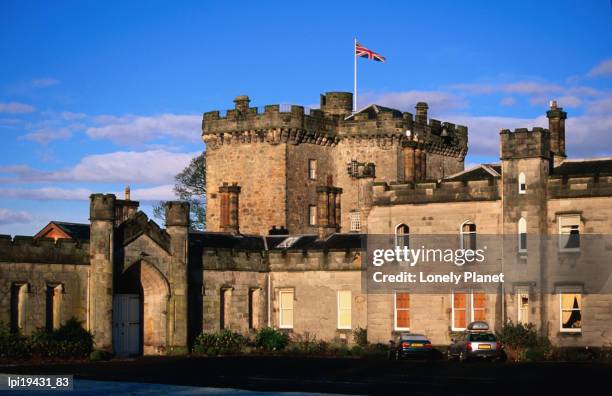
(407, 100)
(46, 135)
(16, 107)
(44, 82)
(604, 68)
(508, 101)
(586, 136)
(139, 129)
(153, 166)
(151, 194)
(12, 217)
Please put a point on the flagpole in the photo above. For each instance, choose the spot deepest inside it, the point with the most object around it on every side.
(355, 76)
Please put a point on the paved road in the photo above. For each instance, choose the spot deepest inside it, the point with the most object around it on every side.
(351, 376)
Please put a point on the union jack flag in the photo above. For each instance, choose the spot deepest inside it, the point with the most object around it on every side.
(363, 52)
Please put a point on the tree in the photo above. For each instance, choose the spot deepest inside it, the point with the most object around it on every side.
(190, 185)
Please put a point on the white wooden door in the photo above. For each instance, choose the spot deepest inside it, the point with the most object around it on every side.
(126, 324)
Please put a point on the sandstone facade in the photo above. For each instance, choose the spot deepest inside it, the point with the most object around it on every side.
(270, 259)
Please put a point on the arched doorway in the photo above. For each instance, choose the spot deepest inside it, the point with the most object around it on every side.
(139, 311)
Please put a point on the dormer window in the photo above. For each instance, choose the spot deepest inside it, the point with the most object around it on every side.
(522, 185)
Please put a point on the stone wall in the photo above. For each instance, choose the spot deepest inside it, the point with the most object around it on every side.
(260, 169)
(75, 299)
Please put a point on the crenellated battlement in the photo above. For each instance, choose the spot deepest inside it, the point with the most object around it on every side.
(27, 249)
(385, 194)
(524, 143)
(595, 185)
(327, 126)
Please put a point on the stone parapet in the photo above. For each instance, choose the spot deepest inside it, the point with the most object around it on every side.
(26, 249)
(431, 192)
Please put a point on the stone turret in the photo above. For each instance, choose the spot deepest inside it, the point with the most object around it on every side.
(337, 103)
(102, 219)
(242, 103)
(177, 226)
(556, 125)
(421, 113)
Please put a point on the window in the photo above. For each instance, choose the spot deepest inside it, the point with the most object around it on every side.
(569, 233)
(355, 219)
(402, 311)
(523, 306)
(224, 219)
(254, 301)
(312, 215)
(459, 312)
(522, 235)
(225, 307)
(522, 186)
(286, 309)
(571, 316)
(18, 303)
(479, 301)
(53, 303)
(467, 236)
(312, 169)
(402, 236)
(344, 309)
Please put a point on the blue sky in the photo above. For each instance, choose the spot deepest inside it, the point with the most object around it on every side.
(97, 95)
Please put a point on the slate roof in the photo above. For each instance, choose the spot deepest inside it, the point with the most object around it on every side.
(480, 172)
(373, 110)
(77, 231)
(584, 167)
(220, 240)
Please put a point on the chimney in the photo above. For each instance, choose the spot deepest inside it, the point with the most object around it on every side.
(556, 126)
(125, 208)
(242, 103)
(230, 207)
(421, 113)
(328, 210)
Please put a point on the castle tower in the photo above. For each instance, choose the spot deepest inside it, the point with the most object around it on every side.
(102, 218)
(294, 151)
(556, 125)
(526, 162)
(177, 226)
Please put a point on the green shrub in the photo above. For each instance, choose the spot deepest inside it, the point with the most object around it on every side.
(357, 350)
(271, 340)
(378, 351)
(343, 351)
(69, 340)
(522, 342)
(13, 345)
(99, 355)
(224, 341)
(537, 353)
(360, 336)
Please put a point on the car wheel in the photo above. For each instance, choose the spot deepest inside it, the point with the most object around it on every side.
(462, 357)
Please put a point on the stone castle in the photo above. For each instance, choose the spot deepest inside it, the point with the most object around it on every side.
(291, 195)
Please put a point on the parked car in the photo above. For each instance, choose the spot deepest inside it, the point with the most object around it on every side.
(477, 342)
(409, 345)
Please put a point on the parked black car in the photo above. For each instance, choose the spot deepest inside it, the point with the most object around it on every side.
(409, 345)
(477, 342)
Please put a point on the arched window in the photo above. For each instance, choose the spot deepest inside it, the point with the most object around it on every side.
(522, 186)
(402, 235)
(522, 235)
(467, 235)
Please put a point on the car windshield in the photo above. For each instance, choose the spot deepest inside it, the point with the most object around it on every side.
(482, 337)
